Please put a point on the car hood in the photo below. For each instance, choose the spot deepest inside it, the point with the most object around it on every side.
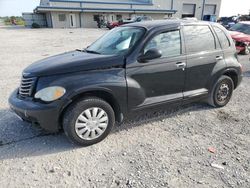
(238, 36)
(73, 62)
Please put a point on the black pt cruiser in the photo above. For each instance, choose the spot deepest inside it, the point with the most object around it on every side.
(84, 92)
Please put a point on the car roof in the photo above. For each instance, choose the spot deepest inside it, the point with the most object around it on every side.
(171, 23)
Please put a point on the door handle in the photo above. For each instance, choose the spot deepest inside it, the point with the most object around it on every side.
(219, 58)
(181, 65)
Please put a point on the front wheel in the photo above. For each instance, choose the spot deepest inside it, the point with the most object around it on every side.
(88, 121)
(221, 92)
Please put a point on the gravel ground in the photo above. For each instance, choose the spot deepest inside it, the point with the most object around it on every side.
(166, 147)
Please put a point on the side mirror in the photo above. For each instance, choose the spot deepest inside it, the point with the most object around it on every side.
(149, 55)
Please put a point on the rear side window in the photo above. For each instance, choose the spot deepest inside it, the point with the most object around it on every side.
(199, 38)
(224, 41)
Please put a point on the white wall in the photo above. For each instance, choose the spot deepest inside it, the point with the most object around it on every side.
(65, 4)
(199, 3)
(87, 19)
(63, 24)
(157, 4)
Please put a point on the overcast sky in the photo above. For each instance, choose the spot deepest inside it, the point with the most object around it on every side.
(16, 7)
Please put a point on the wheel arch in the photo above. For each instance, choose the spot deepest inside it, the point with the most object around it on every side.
(101, 93)
(230, 72)
(233, 75)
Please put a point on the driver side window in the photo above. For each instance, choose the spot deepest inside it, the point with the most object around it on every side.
(169, 43)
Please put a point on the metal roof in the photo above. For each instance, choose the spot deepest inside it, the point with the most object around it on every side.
(83, 9)
(135, 2)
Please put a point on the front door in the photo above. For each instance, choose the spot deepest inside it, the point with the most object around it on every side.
(159, 80)
(72, 19)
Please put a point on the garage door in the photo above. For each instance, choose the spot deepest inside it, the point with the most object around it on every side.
(188, 10)
(209, 9)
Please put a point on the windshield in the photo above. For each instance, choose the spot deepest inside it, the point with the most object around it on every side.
(117, 41)
(240, 27)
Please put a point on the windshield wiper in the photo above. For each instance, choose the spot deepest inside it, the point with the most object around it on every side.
(91, 51)
(79, 50)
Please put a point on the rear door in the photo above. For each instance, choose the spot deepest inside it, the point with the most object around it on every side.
(204, 57)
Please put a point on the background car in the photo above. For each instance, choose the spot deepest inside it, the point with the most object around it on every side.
(190, 18)
(137, 19)
(240, 33)
(112, 25)
(227, 22)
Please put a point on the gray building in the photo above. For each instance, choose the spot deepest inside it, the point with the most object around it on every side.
(85, 13)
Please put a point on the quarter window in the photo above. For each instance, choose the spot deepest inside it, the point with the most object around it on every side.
(198, 39)
(169, 43)
(224, 41)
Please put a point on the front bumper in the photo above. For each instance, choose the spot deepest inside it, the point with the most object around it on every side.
(46, 115)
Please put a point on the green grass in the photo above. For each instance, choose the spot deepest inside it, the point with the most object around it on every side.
(19, 20)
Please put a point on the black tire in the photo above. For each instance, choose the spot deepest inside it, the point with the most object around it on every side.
(215, 99)
(77, 108)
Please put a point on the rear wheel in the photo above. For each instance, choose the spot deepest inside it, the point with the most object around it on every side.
(88, 121)
(221, 92)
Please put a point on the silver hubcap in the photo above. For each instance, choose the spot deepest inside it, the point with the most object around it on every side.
(91, 123)
(223, 92)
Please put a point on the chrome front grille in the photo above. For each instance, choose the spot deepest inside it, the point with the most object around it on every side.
(27, 86)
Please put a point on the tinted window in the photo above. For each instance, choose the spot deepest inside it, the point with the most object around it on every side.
(198, 39)
(169, 43)
(224, 41)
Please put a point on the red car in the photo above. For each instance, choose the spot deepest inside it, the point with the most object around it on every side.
(240, 33)
(112, 25)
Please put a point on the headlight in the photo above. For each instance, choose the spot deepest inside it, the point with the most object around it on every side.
(49, 94)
